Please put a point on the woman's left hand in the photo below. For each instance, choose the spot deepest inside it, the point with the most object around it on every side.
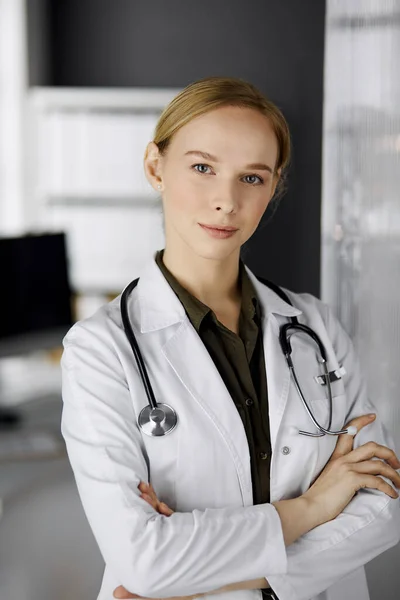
(148, 494)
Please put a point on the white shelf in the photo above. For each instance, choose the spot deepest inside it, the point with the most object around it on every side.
(95, 200)
(131, 99)
(86, 155)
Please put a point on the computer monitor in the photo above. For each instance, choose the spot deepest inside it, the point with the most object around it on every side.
(35, 295)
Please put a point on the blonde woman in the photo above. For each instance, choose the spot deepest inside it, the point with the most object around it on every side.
(232, 501)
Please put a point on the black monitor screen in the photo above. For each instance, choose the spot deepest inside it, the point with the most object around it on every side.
(35, 294)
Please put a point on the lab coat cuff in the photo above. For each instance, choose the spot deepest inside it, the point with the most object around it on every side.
(282, 587)
(279, 561)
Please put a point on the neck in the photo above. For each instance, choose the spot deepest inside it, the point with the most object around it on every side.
(215, 282)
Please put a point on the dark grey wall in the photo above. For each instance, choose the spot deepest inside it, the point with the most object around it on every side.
(39, 51)
(276, 44)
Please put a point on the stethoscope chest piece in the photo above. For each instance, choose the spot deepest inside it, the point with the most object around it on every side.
(157, 421)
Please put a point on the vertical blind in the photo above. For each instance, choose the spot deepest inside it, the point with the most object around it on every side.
(361, 204)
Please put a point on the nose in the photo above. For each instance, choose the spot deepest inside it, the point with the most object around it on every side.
(225, 197)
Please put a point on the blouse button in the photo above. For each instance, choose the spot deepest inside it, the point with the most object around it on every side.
(263, 455)
(249, 402)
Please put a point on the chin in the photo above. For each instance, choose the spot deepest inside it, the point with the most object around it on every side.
(215, 250)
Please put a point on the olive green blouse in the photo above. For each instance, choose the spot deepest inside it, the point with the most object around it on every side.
(240, 362)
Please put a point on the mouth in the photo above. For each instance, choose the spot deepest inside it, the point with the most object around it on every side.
(218, 227)
(220, 233)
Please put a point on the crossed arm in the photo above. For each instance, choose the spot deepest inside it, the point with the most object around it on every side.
(148, 494)
(298, 515)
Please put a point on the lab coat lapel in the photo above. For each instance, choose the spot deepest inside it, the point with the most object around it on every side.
(274, 309)
(190, 360)
(192, 363)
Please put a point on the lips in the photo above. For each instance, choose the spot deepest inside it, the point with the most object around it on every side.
(219, 228)
(219, 234)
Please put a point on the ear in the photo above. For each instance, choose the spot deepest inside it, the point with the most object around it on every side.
(153, 165)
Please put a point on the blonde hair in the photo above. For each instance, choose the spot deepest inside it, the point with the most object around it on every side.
(210, 93)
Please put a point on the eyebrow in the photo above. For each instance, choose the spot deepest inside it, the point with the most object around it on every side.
(208, 156)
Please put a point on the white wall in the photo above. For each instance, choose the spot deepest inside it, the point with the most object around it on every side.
(13, 85)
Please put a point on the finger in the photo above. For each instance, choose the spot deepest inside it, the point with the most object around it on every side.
(148, 489)
(377, 483)
(378, 467)
(154, 505)
(166, 509)
(371, 450)
(160, 507)
(146, 497)
(150, 501)
(344, 443)
(121, 592)
(151, 492)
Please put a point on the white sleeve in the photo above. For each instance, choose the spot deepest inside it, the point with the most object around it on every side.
(369, 525)
(150, 554)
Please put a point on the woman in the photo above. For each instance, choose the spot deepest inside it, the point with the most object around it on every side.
(250, 504)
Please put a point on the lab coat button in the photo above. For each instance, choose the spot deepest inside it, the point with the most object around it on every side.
(249, 402)
(263, 455)
(285, 450)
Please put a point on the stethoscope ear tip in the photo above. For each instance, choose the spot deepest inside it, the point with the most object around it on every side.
(352, 430)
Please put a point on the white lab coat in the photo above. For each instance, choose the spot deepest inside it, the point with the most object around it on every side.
(202, 468)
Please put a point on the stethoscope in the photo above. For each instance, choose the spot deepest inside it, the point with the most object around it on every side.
(158, 419)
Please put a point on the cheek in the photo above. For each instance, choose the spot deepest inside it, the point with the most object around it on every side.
(183, 198)
(185, 203)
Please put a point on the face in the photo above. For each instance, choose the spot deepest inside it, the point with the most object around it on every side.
(219, 169)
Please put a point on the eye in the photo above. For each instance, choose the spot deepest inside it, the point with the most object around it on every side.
(200, 165)
(261, 181)
(202, 169)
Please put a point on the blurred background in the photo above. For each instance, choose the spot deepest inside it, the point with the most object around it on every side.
(82, 84)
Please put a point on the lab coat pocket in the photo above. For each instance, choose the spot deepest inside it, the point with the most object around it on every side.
(320, 408)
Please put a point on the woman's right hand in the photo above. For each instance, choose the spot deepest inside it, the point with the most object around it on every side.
(148, 494)
(350, 470)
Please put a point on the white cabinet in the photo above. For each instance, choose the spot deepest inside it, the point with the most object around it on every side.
(93, 154)
(86, 177)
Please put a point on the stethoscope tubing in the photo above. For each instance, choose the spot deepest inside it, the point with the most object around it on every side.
(157, 419)
(134, 345)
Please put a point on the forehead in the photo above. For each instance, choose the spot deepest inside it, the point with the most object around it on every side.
(229, 131)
